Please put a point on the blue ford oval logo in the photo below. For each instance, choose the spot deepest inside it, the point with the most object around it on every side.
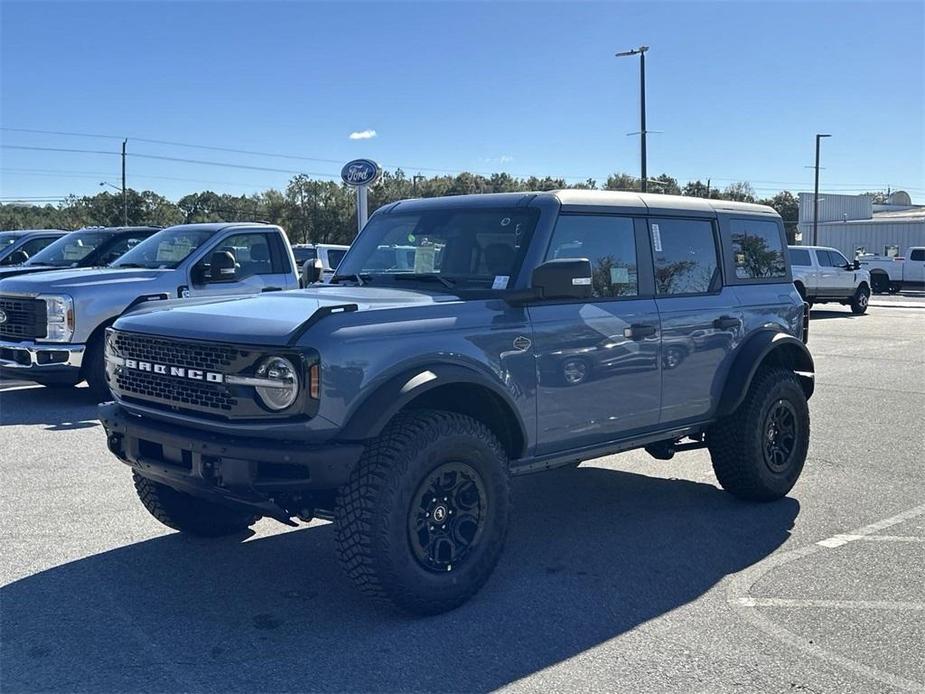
(2, 316)
(360, 172)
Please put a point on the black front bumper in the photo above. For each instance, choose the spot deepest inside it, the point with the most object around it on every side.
(258, 473)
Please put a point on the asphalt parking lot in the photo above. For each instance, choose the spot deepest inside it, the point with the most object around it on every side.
(627, 574)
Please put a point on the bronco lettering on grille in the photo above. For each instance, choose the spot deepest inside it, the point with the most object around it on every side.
(175, 371)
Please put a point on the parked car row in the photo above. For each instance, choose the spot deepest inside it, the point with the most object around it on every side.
(56, 304)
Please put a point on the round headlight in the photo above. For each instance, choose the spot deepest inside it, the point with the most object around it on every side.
(283, 386)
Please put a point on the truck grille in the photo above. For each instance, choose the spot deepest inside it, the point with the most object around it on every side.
(194, 355)
(183, 393)
(24, 318)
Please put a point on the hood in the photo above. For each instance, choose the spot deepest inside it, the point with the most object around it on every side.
(74, 280)
(15, 270)
(266, 319)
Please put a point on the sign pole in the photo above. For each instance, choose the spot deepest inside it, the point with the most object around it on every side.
(362, 207)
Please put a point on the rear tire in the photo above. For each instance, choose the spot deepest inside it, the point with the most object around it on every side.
(189, 514)
(422, 521)
(759, 450)
(860, 300)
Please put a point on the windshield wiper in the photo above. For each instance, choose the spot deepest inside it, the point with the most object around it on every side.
(427, 277)
(138, 265)
(360, 279)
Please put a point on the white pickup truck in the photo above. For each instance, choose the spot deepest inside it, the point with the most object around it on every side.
(823, 275)
(896, 273)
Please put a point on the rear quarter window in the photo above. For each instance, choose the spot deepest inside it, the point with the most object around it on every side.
(800, 257)
(757, 249)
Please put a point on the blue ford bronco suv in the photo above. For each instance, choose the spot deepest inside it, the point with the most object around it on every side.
(530, 331)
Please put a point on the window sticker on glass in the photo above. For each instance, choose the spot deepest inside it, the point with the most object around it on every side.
(500, 282)
(424, 259)
(619, 275)
(656, 238)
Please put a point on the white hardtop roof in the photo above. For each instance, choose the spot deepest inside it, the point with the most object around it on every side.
(618, 198)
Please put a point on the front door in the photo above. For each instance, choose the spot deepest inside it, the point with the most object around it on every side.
(700, 318)
(597, 359)
(259, 265)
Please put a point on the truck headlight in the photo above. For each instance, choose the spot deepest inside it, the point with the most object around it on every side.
(282, 383)
(59, 314)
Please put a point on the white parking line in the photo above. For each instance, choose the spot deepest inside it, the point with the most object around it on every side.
(739, 588)
(839, 604)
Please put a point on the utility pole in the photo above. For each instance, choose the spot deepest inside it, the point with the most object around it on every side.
(124, 194)
(819, 137)
(641, 52)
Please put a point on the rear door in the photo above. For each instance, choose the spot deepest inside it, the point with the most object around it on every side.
(598, 375)
(914, 266)
(700, 318)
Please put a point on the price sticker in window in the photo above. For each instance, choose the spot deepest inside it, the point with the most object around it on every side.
(656, 238)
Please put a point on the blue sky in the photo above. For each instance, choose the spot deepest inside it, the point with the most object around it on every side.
(738, 88)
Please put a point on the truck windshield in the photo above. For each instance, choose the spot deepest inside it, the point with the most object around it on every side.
(475, 248)
(69, 250)
(164, 250)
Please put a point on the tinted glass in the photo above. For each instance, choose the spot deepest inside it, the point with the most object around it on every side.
(335, 256)
(33, 246)
(119, 247)
(800, 257)
(608, 242)
(917, 254)
(478, 248)
(251, 254)
(166, 249)
(685, 256)
(757, 249)
(7, 240)
(68, 250)
(303, 254)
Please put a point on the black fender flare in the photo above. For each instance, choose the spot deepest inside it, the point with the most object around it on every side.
(370, 417)
(757, 350)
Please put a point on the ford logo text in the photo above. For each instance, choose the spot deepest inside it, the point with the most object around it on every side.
(360, 172)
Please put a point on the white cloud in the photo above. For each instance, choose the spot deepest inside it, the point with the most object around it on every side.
(503, 159)
(363, 135)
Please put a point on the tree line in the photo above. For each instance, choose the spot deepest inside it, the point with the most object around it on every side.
(319, 211)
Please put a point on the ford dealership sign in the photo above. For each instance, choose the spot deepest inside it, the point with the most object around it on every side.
(360, 172)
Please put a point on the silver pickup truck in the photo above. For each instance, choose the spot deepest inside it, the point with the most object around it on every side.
(52, 324)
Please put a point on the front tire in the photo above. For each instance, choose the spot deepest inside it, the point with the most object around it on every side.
(94, 369)
(860, 301)
(189, 514)
(758, 451)
(422, 521)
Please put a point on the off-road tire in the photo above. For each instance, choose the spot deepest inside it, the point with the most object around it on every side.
(737, 442)
(189, 514)
(371, 517)
(94, 369)
(860, 301)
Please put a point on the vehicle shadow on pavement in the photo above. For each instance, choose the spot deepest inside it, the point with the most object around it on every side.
(592, 554)
(818, 314)
(59, 408)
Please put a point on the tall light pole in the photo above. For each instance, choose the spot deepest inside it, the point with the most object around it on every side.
(124, 194)
(641, 52)
(819, 137)
(124, 207)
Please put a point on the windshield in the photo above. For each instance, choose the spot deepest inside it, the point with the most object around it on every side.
(7, 240)
(165, 250)
(476, 248)
(69, 250)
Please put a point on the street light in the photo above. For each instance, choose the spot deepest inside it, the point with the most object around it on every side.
(641, 52)
(124, 203)
(819, 137)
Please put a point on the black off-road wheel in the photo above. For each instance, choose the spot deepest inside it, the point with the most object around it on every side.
(758, 452)
(189, 514)
(860, 300)
(422, 521)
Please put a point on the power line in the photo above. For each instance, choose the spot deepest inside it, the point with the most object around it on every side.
(62, 173)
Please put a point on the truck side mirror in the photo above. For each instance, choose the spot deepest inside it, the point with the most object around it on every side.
(221, 266)
(565, 278)
(311, 272)
(857, 265)
(17, 257)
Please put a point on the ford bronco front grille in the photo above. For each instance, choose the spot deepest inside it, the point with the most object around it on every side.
(23, 319)
(183, 393)
(193, 355)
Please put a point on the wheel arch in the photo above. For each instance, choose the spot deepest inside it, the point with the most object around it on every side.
(448, 387)
(765, 348)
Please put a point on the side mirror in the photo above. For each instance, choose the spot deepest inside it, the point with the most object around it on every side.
(856, 265)
(17, 257)
(221, 266)
(566, 278)
(312, 271)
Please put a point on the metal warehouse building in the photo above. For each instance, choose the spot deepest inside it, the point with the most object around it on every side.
(853, 223)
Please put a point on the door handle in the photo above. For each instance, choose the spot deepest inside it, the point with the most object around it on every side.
(638, 331)
(726, 322)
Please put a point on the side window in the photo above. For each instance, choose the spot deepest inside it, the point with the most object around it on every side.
(917, 254)
(800, 257)
(758, 249)
(608, 242)
(836, 259)
(121, 246)
(825, 259)
(251, 254)
(33, 246)
(685, 256)
(335, 255)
